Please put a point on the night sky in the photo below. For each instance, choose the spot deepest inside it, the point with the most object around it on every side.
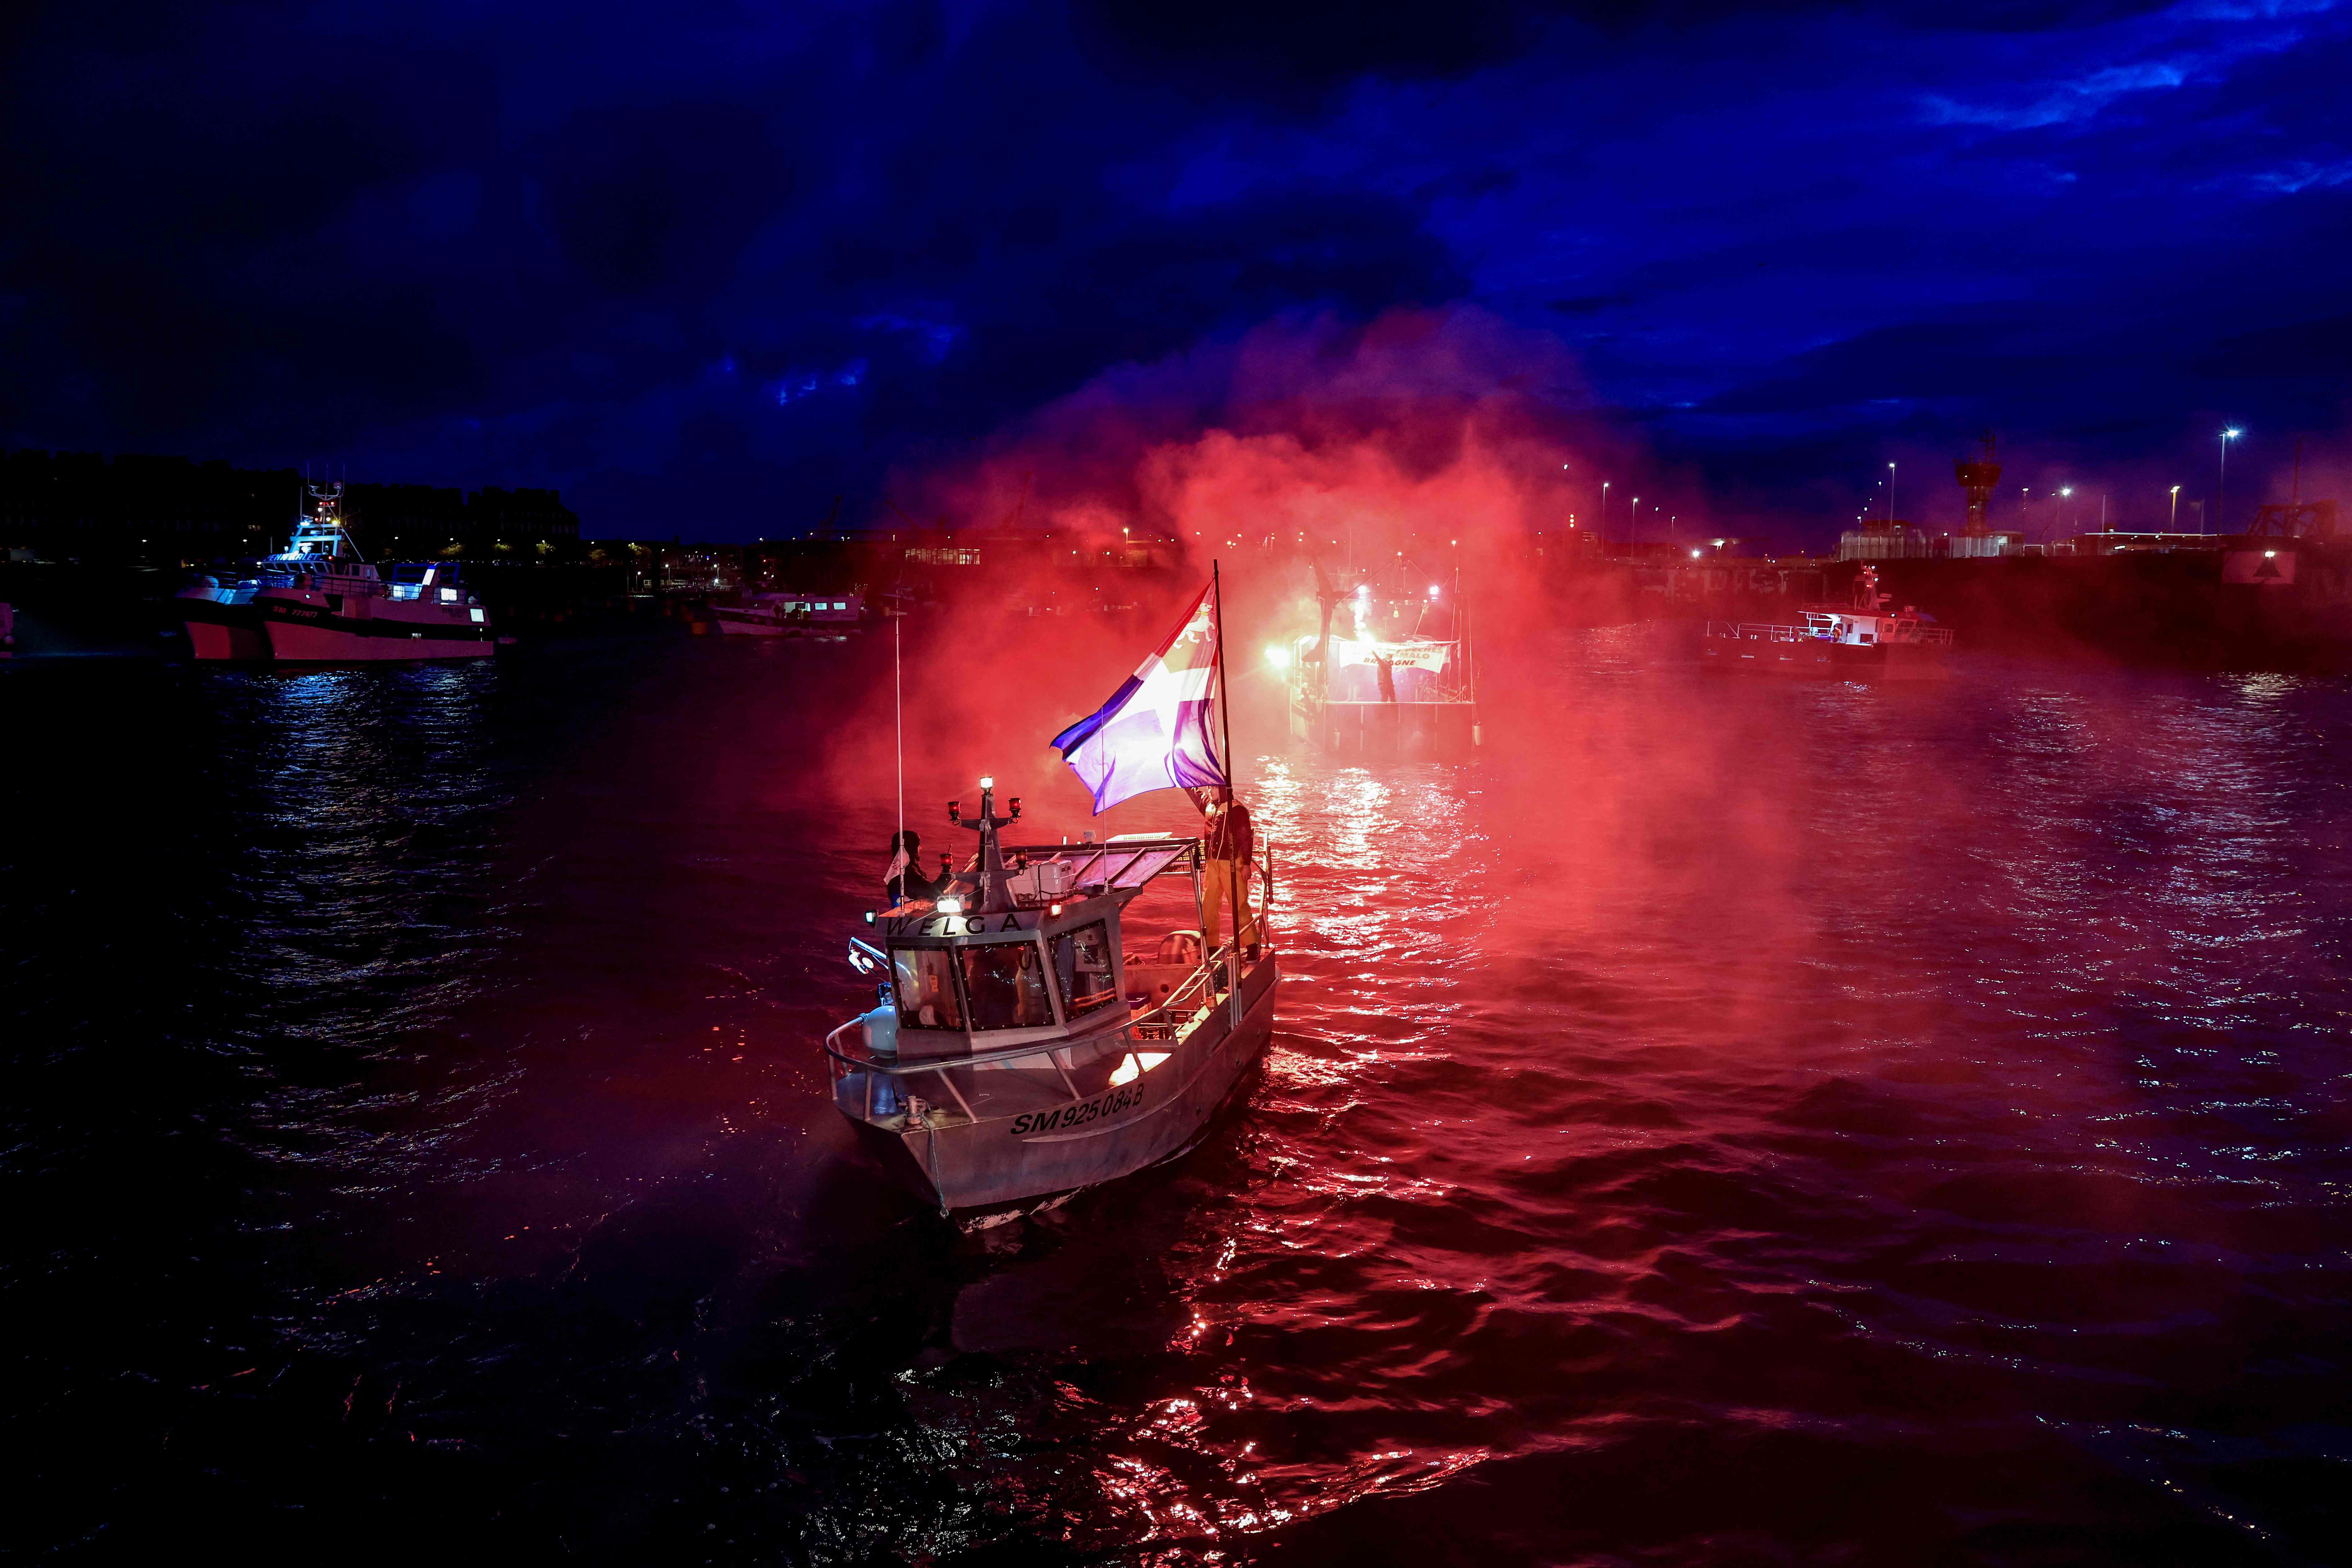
(705, 266)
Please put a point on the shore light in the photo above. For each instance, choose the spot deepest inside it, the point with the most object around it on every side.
(2221, 481)
(1278, 657)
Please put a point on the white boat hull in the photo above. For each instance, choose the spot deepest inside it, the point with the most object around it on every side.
(994, 1162)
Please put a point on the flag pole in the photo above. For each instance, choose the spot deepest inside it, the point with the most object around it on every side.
(1224, 704)
(898, 719)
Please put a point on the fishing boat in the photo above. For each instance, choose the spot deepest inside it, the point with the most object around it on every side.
(1043, 1027)
(1409, 696)
(790, 615)
(1863, 640)
(316, 602)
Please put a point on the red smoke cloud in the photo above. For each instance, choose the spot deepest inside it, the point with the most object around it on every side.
(1421, 424)
(1428, 446)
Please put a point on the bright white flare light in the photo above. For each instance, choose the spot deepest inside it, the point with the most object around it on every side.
(1134, 1065)
(1278, 657)
(2232, 434)
(1694, 555)
(951, 906)
(1432, 590)
(987, 783)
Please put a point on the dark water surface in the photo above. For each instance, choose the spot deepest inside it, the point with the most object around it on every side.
(1724, 1125)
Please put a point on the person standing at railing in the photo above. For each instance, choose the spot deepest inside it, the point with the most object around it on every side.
(1225, 873)
(904, 881)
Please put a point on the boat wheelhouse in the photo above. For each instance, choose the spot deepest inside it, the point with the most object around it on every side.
(1043, 1028)
(1861, 641)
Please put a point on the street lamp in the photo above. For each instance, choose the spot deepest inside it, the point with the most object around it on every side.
(2172, 522)
(2228, 436)
(1635, 524)
(1890, 495)
(1604, 506)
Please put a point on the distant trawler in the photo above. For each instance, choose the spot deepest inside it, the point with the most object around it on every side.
(318, 603)
(1861, 641)
(782, 614)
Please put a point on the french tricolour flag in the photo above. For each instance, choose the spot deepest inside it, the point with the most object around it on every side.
(1159, 730)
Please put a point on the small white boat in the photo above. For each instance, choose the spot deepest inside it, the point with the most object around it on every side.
(1043, 1030)
(1020, 1052)
(782, 614)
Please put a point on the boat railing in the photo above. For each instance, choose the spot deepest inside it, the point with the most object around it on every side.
(1763, 631)
(1160, 1021)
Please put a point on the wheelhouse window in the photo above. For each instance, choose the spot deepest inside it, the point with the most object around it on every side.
(923, 980)
(1082, 961)
(1004, 983)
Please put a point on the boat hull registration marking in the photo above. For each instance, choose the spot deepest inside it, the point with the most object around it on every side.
(1080, 1112)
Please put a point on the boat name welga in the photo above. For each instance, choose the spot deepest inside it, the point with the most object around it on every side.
(944, 925)
(1076, 1115)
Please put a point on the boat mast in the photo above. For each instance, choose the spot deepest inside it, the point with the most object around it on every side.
(1224, 704)
(898, 716)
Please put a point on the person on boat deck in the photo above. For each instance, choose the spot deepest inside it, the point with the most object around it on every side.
(1386, 669)
(1225, 872)
(904, 881)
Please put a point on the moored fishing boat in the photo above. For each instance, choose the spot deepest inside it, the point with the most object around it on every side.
(1400, 686)
(1021, 1052)
(787, 614)
(319, 603)
(1861, 641)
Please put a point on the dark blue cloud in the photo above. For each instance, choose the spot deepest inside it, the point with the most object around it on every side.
(709, 266)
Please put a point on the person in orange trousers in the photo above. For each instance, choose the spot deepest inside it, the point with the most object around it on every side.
(1226, 873)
